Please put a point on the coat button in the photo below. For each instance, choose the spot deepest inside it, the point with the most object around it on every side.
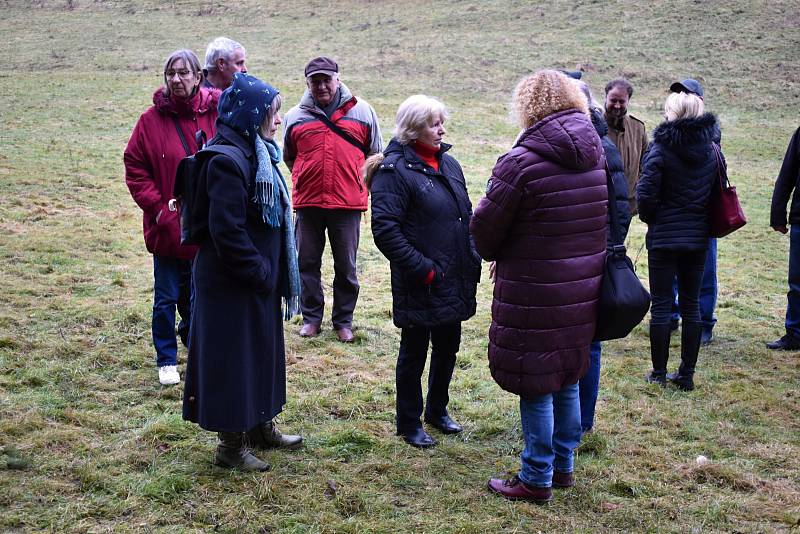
(409, 165)
(191, 399)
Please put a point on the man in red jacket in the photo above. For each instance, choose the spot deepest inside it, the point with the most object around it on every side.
(327, 136)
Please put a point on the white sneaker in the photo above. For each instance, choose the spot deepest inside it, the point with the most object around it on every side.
(168, 375)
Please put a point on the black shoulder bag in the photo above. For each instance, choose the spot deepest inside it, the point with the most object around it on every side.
(623, 299)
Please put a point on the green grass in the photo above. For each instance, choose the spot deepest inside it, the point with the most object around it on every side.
(90, 443)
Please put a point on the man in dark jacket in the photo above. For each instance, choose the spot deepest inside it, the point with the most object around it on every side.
(784, 187)
(224, 58)
(326, 139)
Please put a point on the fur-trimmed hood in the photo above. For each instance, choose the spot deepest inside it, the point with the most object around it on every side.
(689, 137)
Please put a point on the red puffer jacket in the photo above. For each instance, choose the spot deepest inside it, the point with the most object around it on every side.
(151, 159)
(326, 169)
(543, 220)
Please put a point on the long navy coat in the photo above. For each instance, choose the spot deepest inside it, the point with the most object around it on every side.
(236, 372)
(420, 222)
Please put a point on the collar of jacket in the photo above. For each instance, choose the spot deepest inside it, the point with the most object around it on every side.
(412, 159)
(306, 102)
(683, 132)
(230, 135)
(202, 101)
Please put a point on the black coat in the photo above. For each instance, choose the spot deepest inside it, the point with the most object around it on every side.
(678, 173)
(785, 184)
(420, 222)
(617, 171)
(236, 371)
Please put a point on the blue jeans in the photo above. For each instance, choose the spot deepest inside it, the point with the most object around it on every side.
(708, 290)
(551, 426)
(793, 296)
(589, 385)
(171, 290)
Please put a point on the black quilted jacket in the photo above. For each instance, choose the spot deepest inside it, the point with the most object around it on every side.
(678, 173)
(420, 222)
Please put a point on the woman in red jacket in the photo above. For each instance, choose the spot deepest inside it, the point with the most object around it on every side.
(164, 135)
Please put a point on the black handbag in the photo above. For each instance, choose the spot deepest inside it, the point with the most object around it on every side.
(624, 301)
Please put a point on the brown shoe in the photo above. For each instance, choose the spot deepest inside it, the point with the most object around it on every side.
(514, 489)
(345, 335)
(310, 330)
(563, 480)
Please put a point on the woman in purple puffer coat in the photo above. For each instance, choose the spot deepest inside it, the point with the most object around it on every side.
(543, 221)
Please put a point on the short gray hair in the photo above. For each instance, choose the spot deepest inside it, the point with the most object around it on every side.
(414, 114)
(188, 57)
(220, 47)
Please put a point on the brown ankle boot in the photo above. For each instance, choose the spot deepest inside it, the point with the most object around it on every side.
(267, 436)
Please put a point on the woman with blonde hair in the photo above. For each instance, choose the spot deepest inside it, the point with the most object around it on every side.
(543, 222)
(420, 222)
(678, 174)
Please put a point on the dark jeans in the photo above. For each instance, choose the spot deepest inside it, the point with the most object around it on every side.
(664, 265)
(708, 290)
(793, 296)
(588, 387)
(171, 290)
(445, 341)
(343, 228)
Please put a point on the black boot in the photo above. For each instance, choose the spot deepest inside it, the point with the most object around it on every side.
(234, 454)
(690, 347)
(267, 436)
(659, 353)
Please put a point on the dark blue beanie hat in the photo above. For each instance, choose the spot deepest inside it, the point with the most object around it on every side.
(244, 104)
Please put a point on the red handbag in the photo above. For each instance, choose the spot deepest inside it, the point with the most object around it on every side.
(727, 215)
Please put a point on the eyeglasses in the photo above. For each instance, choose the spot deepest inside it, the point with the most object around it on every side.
(183, 73)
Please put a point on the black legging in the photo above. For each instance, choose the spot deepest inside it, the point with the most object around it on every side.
(664, 265)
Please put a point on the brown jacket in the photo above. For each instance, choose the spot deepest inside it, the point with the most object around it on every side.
(631, 139)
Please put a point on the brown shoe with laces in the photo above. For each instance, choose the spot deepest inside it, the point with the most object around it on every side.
(516, 490)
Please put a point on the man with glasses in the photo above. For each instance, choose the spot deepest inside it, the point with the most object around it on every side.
(327, 137)
(224, 58)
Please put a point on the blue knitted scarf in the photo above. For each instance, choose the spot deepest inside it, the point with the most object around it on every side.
(272, 196)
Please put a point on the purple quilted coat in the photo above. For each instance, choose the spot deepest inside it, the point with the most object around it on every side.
(543, 220)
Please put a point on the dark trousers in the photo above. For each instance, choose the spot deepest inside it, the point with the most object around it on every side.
(664, 265)
(171, 290)
(344, 227)
(444, 341)
(793, 296)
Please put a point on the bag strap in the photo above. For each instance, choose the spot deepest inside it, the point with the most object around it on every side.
(722, 171)
(613, 215)
(180, 134)
(341, 133)
(232, 152)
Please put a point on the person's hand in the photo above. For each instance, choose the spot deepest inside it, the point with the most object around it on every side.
(782, 229)
(492, 270)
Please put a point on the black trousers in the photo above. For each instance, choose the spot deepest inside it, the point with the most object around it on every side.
(445, 341)
(664, 265)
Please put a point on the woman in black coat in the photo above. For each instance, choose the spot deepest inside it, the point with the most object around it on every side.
(678, 174)
(420, 222)
(236, 371)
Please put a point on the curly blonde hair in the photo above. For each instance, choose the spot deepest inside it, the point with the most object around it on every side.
(543, 93)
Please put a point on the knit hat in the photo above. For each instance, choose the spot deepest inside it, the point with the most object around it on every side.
(244, 104)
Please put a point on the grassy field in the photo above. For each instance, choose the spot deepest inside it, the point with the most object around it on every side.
(89, 442)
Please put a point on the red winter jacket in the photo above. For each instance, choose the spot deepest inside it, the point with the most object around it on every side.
(543, 220)
(326, 169)
(151, 159)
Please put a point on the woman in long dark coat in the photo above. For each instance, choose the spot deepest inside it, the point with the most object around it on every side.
(678, 173)
(543, 221)
(236, 372)
(420, 222)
